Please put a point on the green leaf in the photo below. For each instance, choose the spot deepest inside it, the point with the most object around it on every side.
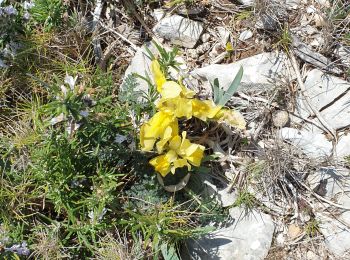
(169, 253)
(232, 89)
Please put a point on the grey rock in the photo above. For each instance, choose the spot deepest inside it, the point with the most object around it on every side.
(314, 145)
(261, 72)
(158, 14)
(266, 22)
(140, 64)
(247, 2)
(308, 55)
(205, 37)
(247, 238)
(336, 235)
(293, 4)
(179, 30)
(335, 230)
(245, 35)
(323, 89)
(343, 53)
(329, 182)
(214, 188)
(329, 95)
(338, 114)
(343, 146)
(224, 35)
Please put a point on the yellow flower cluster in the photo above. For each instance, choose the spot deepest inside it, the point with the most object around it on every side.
(162, 129)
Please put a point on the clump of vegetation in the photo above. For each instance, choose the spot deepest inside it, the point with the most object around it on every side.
(74, 182)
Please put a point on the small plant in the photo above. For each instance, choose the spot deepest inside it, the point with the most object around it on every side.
(162, 227)
(48, 13)
(166, 58)
(245, 199)
(285, 39)
(178, 103)
(312, 228)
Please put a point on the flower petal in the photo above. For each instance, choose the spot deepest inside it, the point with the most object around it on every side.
(232, 118)
(170, 89)
(158, 75)
(204, 109)
(161, 164)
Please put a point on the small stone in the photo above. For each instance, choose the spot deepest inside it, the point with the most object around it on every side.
(247, 2)
(205, 37)
(179, 30)
(319, 21)
(293, 4)
(280, 118)
(311, 9)
(203, 48)
(311, 255)
(324, 3)
(158, 14)
(280, 239)
(343, 52)
(224, 35)
(294, 231)
(245, 35)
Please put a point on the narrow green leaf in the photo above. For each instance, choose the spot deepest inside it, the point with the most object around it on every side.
(232, 89)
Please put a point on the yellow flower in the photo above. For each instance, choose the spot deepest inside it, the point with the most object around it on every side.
(171, 131)
(155, 128)
(179, 106)
(158, 75)
(231, 117)
(170, 89)
(161, 164)
(185, 91)
(182, 153)
(187, 150)
(204, 109)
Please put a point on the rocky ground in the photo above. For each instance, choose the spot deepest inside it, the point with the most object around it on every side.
(295, 97)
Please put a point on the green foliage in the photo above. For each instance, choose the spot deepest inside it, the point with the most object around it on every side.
(221, 97)
(285, 39)
(164, 224)
(48, 13)
(312, 228)
(245, 199)
(166, 59)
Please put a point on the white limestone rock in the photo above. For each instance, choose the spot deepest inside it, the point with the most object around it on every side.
(247, 238)
(179, 30)
(262, 71)
(314, 145)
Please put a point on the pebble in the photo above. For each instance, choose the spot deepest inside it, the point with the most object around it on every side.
(245, 35)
